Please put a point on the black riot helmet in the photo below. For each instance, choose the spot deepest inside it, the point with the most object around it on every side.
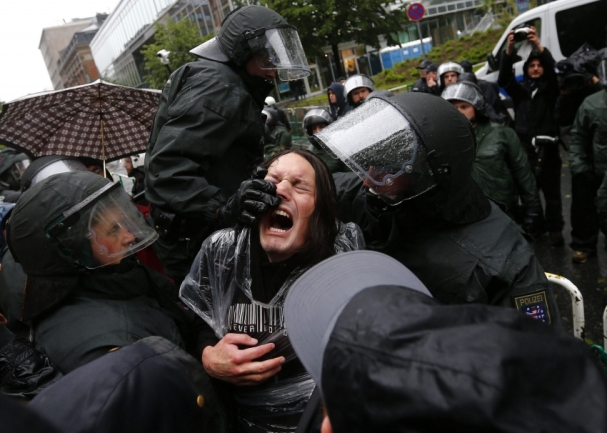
(405, 146)
(72, 221)
(45, 166)
(316, 116)
(258, 31)
(12, 166)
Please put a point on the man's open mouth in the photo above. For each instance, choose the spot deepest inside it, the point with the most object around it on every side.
(280, 221)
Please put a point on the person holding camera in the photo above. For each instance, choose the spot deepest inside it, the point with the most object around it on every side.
(534, 102)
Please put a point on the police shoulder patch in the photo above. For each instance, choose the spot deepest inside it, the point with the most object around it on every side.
(535, 305)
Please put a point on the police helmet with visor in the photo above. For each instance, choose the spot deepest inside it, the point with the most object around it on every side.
(75, 220)
(316, 116)
(448, 67)
(356, 81)
(45, 166)
(467, 92)
(259, 32)
(405, 146)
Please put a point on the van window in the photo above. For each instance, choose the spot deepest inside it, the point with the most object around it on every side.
(581, 24)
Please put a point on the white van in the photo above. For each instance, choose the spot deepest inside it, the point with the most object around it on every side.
(563, 26)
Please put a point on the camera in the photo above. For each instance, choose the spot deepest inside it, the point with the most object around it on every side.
(521, 33)
(163, 55)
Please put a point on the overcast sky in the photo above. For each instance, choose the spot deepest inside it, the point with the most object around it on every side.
(22, 70)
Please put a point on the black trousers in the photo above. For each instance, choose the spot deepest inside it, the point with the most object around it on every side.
(547, 165)
(584, 217)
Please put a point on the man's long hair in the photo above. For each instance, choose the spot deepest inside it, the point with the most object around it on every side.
(323, 228)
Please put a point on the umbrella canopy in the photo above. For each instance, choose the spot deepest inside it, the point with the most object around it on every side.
(98, 120)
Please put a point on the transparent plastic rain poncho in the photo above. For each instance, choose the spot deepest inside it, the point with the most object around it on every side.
(381, 146)
(220, 269)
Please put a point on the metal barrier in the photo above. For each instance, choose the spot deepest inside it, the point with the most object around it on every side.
(577, 304)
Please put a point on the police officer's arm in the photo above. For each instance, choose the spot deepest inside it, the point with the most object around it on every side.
(580, 144)
(519, 166)
(201, 120)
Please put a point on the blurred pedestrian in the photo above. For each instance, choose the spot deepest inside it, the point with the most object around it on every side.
(588, 165)
(338, 106)
(534, 102)
(501, 167)
(282, 116)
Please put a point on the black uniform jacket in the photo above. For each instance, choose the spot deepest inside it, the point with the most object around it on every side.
(206, 136)
(488, 261)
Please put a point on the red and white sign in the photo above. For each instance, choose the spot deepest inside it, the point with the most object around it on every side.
(416, 11)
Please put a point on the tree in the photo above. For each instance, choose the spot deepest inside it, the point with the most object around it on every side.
(178, 38)
(323, 23)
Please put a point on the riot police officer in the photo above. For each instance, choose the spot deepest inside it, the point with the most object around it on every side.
(415, 199)
(75, 235)
(208, 130)
(313, 122)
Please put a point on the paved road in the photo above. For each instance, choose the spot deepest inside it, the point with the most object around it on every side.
(590, 277)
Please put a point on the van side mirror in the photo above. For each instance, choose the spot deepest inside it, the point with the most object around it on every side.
(492, 61)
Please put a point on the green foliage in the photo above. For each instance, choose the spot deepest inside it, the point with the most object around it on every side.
(323, 23)
(473, 48)
(178, 38)
(413, 73)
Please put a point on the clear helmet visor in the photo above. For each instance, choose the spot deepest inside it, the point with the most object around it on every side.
(56, 167)
(106, 231)
(379, 144)
(18, 168)
(281, 49)
(463, 92)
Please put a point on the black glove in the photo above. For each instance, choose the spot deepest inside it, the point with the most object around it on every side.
(533, 224)
(375, 205)
(252, 200)
(24, 371)
(588, 177)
